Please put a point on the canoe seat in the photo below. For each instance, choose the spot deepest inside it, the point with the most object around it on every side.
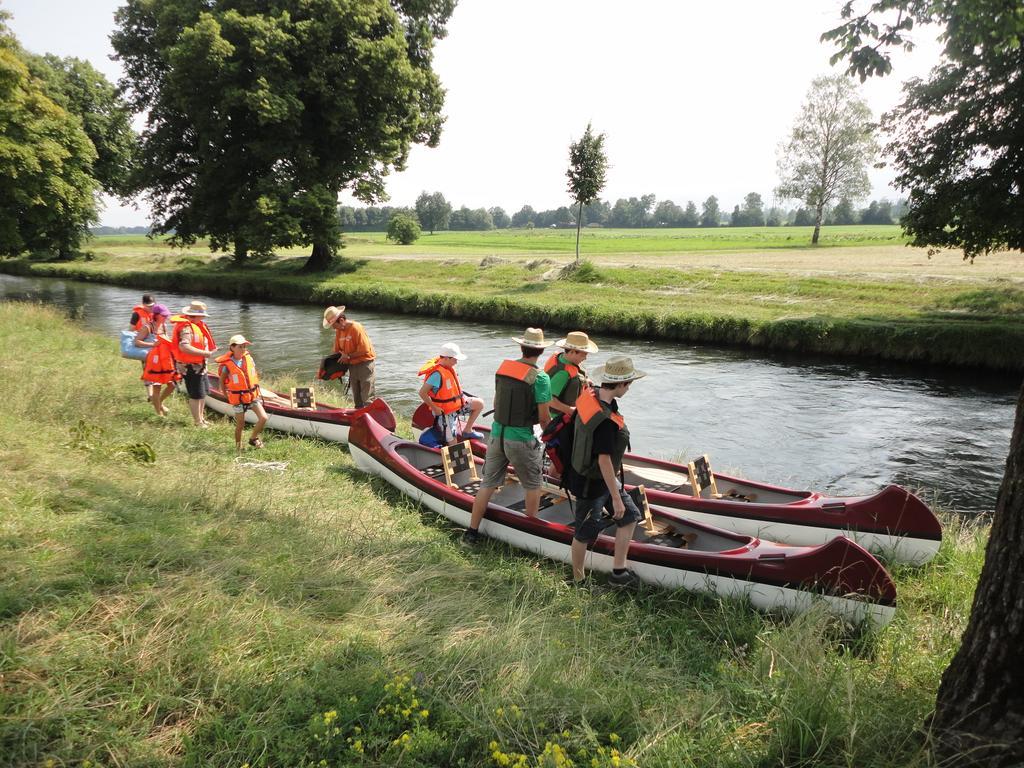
(458, 458)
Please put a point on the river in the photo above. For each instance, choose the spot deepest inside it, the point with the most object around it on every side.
(838, 426)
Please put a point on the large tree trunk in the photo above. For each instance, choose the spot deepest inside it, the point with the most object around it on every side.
(979, 710)
(320, 259)
(819, 214)
(241, 252)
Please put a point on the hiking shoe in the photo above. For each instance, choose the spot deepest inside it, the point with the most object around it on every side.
(625, 579)
(471, 538)
(472, 435)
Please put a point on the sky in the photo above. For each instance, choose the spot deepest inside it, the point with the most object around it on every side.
(694, 97)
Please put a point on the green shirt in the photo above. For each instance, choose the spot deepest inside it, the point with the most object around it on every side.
(560, 379)
(541, 394)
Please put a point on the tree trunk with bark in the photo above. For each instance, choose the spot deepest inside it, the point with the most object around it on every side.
(241, 252)
(320, 259)
(579, 223)
(979, 709)
(819, 214)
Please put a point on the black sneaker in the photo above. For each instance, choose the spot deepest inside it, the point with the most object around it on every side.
(625, 579)
(471, 538)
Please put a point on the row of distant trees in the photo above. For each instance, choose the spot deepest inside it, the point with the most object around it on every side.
(434, 213)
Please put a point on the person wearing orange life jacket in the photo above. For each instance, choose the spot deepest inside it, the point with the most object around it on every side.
(355, 349)
(158, 371)
(600, 439)
(193, 346)
(442, 393)
(565, 370)
(521, 395)
(241, 383)
(142, 315)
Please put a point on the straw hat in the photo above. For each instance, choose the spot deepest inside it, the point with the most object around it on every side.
(451, 349)
(618, 370)
(331, 314)
(195, 309)
(577, 340)
(534, 338)
(238, 339)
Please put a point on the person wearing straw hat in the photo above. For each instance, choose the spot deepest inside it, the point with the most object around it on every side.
(241, 383)
(600, 440)
(522, 393)
(442, 393)
(193, 346)
(565, 369)
(353, 348)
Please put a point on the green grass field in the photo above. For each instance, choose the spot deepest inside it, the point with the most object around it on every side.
(164, 605)
(883, 301)
(625, 241)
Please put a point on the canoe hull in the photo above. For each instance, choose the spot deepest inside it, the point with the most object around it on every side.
(747, 572)
(324, 423)
(893, 523)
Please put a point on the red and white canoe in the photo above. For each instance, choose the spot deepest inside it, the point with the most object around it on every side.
(839, 574)
(893, 523)
(326, 422)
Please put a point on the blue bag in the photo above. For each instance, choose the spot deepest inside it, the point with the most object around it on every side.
(128, 348)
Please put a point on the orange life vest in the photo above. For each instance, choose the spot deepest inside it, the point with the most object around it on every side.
(242, 383)
(201, 338)
(448, 396)
(145, 316)
(160, 362)
(573, 386)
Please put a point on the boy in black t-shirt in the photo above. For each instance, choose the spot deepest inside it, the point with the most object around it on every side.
(600, 439)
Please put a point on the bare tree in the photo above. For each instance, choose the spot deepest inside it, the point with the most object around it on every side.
(588, 167)
(829, 149)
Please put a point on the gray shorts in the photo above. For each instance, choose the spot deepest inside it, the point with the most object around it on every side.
(526, 457)
(243, 407)
(595, 514)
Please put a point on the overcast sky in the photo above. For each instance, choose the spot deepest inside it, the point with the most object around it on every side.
(694, 96)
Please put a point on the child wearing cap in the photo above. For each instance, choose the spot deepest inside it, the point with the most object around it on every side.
(442, 393)
(158, 371)
(241, 383)
(600, 440)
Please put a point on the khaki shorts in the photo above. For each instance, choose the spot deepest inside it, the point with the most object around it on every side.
(526, 456)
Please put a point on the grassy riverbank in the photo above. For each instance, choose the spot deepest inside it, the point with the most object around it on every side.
(814, 301)
(193, 611)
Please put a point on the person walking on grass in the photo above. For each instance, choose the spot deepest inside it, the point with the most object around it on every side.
(142, 315)
(600, 439)
(241, 383)
(193, 346)
(522, 393)
(158, 371)
(442, 393)
(354, 348)
(565, 369)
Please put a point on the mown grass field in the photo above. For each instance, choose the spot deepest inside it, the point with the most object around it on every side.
(875, 300)
(191, 610)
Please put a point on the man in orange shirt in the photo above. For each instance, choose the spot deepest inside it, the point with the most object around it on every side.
(356, 350)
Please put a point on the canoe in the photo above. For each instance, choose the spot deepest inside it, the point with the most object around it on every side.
(685, 553)
(893, 523)
(326, 422)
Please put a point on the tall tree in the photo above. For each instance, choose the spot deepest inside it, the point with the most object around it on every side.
(588, 167)
(843, 213)
(433, 211)
(525, 215)
(86, 93)
(690, 216)
(957, 146)
(711, 214)
(499, 217)
(829, 148)
(299, 100)
(47, 191)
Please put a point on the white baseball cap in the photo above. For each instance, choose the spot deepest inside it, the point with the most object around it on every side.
(451, 349)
